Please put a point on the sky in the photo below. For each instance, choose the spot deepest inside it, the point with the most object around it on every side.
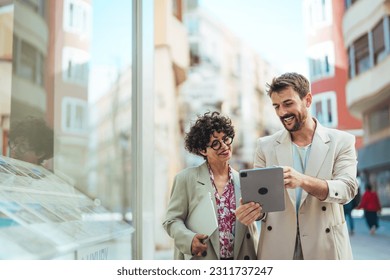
(111, 44)
(274, 28)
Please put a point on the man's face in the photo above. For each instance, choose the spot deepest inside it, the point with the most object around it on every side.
(291, 110)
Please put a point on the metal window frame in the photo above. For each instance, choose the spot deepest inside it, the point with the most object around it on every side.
(142, 144)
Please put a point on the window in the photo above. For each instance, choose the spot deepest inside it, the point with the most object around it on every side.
(75, 115)
(75, 65)
(362, 57)
(378, 43)
(192, 25)
(77, 17)
(321, 60)
(379, 119)
(359, 52)
(45, 68)
(28, 62)
(319, 13)
(319, 67)
(351, 63)
(324, 108)
(194, 54)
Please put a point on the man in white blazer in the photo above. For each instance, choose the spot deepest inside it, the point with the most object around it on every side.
(319, 167)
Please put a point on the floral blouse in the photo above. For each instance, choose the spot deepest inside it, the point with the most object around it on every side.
(226, 206)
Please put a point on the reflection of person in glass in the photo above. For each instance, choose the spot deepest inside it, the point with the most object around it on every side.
(210, 137)
(31, 140)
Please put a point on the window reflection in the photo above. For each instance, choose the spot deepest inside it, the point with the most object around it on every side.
(31, 140)
(65, 107)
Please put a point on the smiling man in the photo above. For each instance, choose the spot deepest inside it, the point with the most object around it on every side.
(319, 166)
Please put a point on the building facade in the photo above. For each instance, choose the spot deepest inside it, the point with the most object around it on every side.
(328, 66)
(366, 32)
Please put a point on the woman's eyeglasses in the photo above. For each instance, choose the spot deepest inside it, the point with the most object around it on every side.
(216, 144)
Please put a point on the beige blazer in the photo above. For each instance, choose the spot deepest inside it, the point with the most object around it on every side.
(189, 187)
(323, 230)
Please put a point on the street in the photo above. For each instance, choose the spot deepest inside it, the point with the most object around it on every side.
(364, 245)
(371, 247)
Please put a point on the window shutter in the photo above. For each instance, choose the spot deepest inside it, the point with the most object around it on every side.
(378, 37)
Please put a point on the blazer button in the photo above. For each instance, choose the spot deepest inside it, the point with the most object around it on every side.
(269, 228)
(247, 258)
(336, 194)
(248, 235)
(327, 230)
(323, 208)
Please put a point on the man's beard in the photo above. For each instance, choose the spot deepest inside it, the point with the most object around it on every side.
(299, 121)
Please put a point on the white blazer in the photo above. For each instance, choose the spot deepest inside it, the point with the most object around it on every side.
(323, 230)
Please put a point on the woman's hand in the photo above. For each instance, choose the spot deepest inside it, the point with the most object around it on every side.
(198, 248)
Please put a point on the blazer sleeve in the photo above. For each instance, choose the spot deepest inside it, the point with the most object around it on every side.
(259, 160)
(343, 185)
(176, 215)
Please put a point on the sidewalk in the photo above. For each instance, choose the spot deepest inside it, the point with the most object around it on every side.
(370, 247)
(364, 245)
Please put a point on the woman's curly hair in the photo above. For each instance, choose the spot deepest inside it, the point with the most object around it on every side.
(197, 139)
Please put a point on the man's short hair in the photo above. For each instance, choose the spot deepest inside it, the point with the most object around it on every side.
(294, 80)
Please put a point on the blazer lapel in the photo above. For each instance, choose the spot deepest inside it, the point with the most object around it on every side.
(204, 181)
(319, 150)
(284, 157)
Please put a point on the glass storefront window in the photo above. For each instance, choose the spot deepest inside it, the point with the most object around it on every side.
(66, 92)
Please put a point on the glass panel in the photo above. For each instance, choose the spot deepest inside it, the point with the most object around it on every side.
(329, 110)
(65, 108)
(378, 38)
(325, 108)
(362, 58)
(379, 119)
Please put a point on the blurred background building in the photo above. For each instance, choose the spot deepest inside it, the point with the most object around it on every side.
(226, 75)
(328, 66)
(366, 32)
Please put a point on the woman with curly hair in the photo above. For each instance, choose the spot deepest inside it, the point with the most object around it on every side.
(211, 137)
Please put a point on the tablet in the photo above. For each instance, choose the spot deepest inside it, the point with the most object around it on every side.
(264, 186)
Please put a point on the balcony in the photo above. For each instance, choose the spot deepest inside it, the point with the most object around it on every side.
(369, 88)
(31, 27)
(360, 17)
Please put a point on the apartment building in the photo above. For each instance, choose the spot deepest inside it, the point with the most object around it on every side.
(366, 32)
(328, 66)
